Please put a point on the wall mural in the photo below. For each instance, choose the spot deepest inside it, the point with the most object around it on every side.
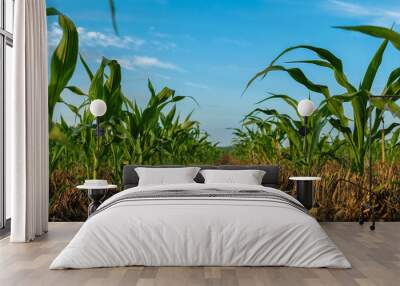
(156, 127)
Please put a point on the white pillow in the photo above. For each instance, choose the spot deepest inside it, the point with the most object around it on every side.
(248, 177)
(166, 176)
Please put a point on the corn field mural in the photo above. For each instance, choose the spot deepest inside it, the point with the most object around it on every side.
(158, 133)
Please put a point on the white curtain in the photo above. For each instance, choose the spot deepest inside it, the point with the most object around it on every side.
(27, 124)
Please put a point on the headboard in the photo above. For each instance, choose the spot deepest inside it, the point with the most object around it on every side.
(130, 178)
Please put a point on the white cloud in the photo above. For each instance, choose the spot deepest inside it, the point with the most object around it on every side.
(195, 85)
(89, 38)
(163, 45)
(146, 62)
(157, 34)
(375, 14)
(93, 38)
(350, 8)
(54, 34)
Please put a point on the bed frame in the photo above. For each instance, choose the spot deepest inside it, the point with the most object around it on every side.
(130, 178)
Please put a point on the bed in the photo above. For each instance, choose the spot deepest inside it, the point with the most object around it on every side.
(197, 224)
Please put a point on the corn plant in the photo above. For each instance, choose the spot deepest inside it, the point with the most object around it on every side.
(355, 136)
(318, 148)
(259, 142)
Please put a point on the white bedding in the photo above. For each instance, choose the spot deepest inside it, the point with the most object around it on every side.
(200, 231)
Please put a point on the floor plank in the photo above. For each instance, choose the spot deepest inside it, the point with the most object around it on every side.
(375, 257)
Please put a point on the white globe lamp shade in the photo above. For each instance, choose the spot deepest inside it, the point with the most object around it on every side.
(98, 107)
(305, 107)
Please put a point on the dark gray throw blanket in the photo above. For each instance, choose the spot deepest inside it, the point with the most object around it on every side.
(204, 193)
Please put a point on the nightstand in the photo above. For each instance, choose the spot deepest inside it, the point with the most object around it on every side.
(305, 190)
(96, 195)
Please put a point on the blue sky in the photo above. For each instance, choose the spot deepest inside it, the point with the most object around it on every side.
(210, 49)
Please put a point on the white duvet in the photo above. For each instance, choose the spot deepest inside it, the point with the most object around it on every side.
(199, 231)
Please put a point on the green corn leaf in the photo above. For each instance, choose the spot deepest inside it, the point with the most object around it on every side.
(395, 137)
(178, 98)
(114, 80)
(334, 63)
(51, 11)
(339, 75)
(63, 60)
(375, 31)
(297, 74)
(86, 66)
(75, 90)
(151, 88)
(314, 62)
(292, 102)
(386, 104)
(113, 15)
(337, 124)
(386, 131)
(322, 53)
(165, 94)
(96, 89)
(394, 75)
(73, 108)
(373, 67)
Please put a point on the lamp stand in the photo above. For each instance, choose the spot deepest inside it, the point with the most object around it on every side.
(370, 193)
(305, 134)
(98, 135)
(372, 227)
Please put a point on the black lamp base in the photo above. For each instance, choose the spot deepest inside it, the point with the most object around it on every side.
(305, 193)
(96, 196)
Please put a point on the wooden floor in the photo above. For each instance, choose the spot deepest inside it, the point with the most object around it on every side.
(375, 257)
